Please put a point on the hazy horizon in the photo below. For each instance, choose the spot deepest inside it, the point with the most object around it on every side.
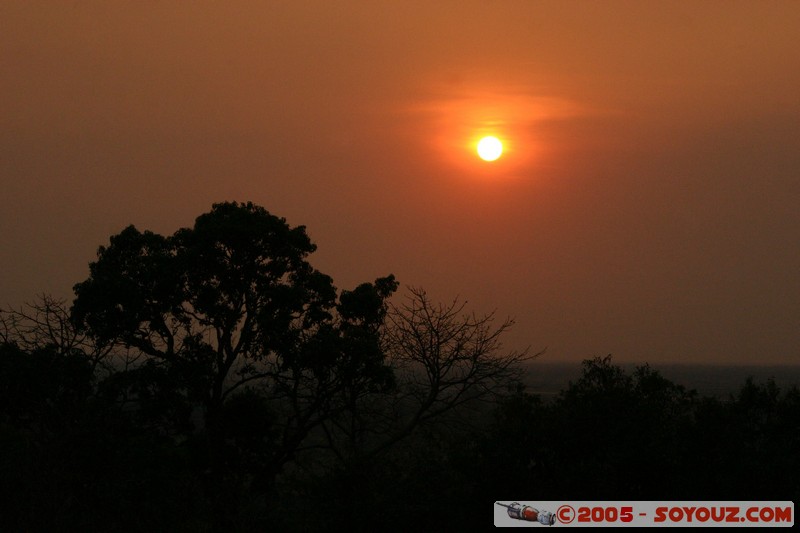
(721, 381)
(645, 205)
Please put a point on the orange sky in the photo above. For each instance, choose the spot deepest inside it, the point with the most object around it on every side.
(646, 204)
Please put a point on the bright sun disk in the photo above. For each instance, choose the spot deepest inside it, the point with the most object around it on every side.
(490, 148)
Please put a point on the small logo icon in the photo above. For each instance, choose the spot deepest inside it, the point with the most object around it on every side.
(528, 513)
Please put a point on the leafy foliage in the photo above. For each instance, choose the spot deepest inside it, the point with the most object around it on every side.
(616, 436)
(213, 380)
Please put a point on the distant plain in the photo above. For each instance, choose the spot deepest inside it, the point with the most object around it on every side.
(720, 381)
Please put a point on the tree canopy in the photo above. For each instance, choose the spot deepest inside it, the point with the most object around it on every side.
(212, 379)
(228, 319)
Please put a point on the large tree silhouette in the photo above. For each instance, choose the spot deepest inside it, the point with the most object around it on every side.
(218, 358)
(230, 306)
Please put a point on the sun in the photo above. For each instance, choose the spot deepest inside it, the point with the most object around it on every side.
(490, 148)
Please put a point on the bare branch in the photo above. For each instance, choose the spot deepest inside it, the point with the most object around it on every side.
(46, 322)
(445, 359)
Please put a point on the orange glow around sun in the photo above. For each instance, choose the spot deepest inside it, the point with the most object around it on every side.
(463, 121)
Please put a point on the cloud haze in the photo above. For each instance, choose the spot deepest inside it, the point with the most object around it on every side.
(646, 206)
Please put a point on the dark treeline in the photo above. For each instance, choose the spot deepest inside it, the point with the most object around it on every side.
(212, 380)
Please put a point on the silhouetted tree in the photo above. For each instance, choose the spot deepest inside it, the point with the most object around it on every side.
(71, 461)
(621, 431)
(232, 304)
(621, 435)
(45, 323)
(447, 358)
(396, 449)
(444, 360)
(747, 446)
(194, 368)
(44, 391)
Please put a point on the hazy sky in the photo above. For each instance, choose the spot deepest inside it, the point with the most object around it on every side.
(647, 205)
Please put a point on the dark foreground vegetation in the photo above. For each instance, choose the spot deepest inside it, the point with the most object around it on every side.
(212, 380)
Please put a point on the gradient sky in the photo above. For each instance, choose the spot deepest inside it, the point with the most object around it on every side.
(647, 205)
